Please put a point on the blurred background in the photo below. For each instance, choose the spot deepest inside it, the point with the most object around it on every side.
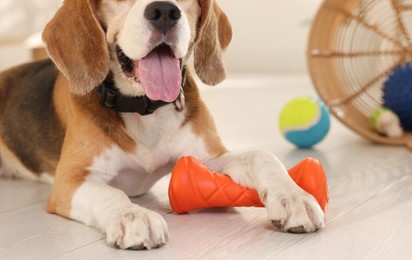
(270, 35)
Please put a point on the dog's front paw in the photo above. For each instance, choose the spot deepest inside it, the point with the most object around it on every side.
(297, 212)
(137, 228)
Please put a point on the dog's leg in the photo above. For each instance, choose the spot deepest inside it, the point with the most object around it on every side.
(289, 207)
(96, 204)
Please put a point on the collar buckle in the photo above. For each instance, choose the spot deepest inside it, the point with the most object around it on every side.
(108, 96)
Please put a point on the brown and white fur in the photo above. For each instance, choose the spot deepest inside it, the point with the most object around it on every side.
(53, 125)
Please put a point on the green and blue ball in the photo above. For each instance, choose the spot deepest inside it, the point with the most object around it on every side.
(304, 121)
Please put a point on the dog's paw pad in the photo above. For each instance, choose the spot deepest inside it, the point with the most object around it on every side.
(297, 230)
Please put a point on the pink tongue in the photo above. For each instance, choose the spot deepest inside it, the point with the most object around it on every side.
(159, 73)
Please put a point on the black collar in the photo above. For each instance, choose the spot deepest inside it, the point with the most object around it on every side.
(112, 98)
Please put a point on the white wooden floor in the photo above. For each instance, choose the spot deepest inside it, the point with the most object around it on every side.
(369, 215)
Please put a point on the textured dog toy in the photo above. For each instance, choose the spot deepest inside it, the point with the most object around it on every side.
(304, 121)
(397, 94)
(193, 186)
(386, 122)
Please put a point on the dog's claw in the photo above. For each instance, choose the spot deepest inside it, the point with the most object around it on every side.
(278, 224)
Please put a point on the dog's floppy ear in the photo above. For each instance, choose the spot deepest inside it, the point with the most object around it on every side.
(76, 43)
(214, 35)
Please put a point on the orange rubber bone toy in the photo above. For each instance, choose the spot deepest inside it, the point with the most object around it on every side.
(193, 186)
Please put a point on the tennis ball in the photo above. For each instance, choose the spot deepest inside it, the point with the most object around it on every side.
(304, 121)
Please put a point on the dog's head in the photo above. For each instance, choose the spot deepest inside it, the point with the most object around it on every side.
(142, 42)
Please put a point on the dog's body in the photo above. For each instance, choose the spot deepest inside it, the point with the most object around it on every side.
(53, 125)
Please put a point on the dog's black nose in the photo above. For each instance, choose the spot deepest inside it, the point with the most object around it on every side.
(162, 15)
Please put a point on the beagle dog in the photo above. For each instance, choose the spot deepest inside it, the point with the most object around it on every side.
(114, 109)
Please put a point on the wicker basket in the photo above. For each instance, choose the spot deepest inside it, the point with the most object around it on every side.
(353, 46)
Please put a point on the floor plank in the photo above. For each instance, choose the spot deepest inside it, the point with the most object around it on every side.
(31, 233)
(377, 229)
(15, 194)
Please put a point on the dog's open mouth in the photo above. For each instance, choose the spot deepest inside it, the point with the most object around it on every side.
(159, 72)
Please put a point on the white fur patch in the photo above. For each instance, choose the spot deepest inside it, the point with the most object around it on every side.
(158, 148)
(137, 37)
(126, 225)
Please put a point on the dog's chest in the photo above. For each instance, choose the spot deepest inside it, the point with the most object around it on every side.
(160, 140)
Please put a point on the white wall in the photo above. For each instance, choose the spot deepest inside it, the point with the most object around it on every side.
(20, 18)
(270, 35)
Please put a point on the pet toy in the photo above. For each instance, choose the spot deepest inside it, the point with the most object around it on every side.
(193, 186)
(386, 122)
(397, 94)
(304, 121)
